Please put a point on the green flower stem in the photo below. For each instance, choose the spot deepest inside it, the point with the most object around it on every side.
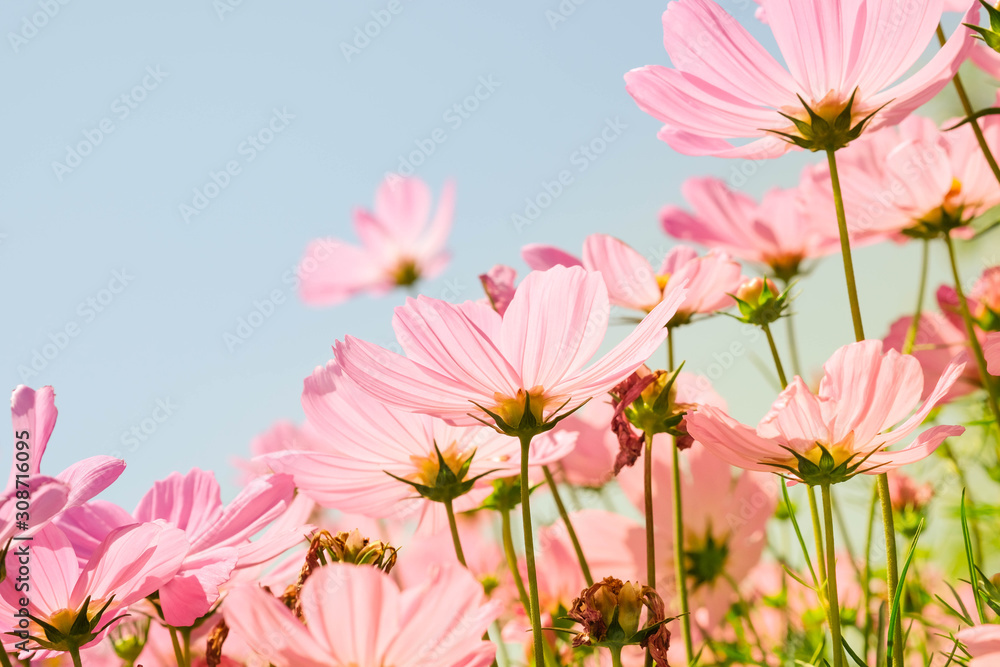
(679, 572)
(866, 579)
(508, 550)
(777, 358)
(845, 246)
(647, 480)
(178, 651)
(550, 480)
(963, 97)
(831, 567)
(970, 329)
(818, 533)
(75, 654)
(892, 566)
(5, 659)
(529, 554)
(453, 525)
(911, 333)
(793, 347)
(616, 657)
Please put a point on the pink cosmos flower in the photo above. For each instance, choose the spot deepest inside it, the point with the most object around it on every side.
(128, 564)
(914, 178)
(726, 85)
(991, 350)
(34, 416)
(363, 439)
(633, 283)
(780, 232)
(864, 394)
(400, 244)
(282, 436)
(983, 644)
(356, 615)
(459, 357)
(986, 59)
(499, 283)
(938, 342)
(219, 535)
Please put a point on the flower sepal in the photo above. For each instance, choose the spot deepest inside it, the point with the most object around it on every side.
(820, 133)
(826, 470)
(448, 483)
(761, 302)
(989, 35)
(83, 629)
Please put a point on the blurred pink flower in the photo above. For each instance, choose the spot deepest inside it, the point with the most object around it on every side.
(991, 349)
(938, 342)
(983, 644)
(633, 283)
(400, 244)
(780, 232)
(459, 356)
(864, 394)
(128, 564)
(912, 177)
(499, 283)
(907, 493)
(356, 615)
(33, 414)
(219, 534)
(363, 439)
(726, 85)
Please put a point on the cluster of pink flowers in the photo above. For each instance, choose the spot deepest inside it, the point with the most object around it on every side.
(652, 526)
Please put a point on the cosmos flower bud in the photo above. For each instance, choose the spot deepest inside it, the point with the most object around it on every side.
(67, 629)
(128, 638)
(761, 302)
(610, 612)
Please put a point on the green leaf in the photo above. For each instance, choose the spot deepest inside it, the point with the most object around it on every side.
(850, 652)
(971, 561)
(894, 615)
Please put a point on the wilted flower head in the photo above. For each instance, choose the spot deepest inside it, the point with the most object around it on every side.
(610, 612)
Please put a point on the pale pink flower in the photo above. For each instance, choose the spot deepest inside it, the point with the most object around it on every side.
(282, 436)
(780, 232)
(633, 283)
(938, 342)
(356, 615)
(991, 350)
(912, 177)
(864, 394)
(400, 243)
(986, 59)
(364, 441)
(499, 283)
(34, 417)
(459, 357)
(726, 85)
(219, 534)
(907, 493)
(128, 564)
(983, 644)
(593, 460)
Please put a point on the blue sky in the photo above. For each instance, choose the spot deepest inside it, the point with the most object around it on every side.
(123, 269)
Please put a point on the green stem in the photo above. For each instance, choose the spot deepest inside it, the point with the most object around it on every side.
(647, 481)
(75, 654)
(798, 531)
(777, 358)
(970, 329)
(911, 333)
(963, 97)
(453, 525)
(818, 533)
(616, 657)
(508, 550)
(866, 589)
(891, 561)
(831, 567)
(186, 636)
(793, 347)
(569, 526)
(529, 553)
(4, 659)
(679, 571)
(178, 651)
(977, 540)
(845, 246)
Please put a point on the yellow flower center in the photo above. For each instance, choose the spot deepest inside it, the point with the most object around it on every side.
(428, 466)
(511, 409)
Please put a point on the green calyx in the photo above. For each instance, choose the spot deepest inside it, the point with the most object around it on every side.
(764, 306)
(824, 472)
(655, 409)
(989, 35)
(449, 483)
(819, 133)
(83, 630)
(128, 638)
(706, 565)
(936, 224)
(530, 421)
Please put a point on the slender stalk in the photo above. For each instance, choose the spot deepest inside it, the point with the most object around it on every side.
(963, 97)
(186, 636)
(777, 358)
(679, 570)
(508, 550)
(4, 659)
(798, 533)
(892, 562)
(866, 589)
(616, 657)
(569, 525)
(529, 553)
(845, 246)
(818, 532)
(453, 525)
(831, 568)
(793, 347)
(647, 479)
(977, 540)
(178, 651)
(970, 329)
(75, 654)
(911, 333)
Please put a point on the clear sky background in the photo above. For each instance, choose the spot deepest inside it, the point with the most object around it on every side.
(183, 86)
